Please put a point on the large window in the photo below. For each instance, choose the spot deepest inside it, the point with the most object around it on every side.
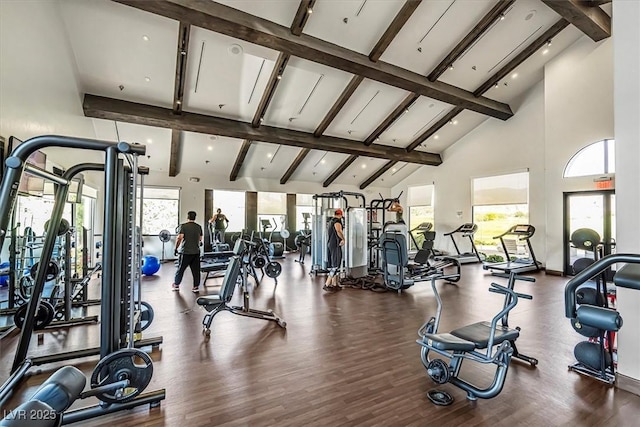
(272, 208)
(304, 205)
(595, 159)
(499, 202)
(160, 210)
(420, 205)
(232, 204)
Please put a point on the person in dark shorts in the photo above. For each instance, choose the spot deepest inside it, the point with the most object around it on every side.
(335, 242)
(220, 223)
(190, 239)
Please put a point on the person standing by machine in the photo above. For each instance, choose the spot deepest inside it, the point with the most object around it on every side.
(190, 239)
(335, 242)
(220, 223)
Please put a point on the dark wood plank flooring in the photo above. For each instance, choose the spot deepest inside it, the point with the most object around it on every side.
(347, 358)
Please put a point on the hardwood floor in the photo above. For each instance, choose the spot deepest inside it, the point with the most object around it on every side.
(347, 358)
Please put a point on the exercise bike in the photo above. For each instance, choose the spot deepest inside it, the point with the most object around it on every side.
(488, 342)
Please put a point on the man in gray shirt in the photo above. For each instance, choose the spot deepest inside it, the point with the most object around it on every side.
(190, 237)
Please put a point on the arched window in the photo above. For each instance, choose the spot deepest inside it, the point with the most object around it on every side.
(594, 159)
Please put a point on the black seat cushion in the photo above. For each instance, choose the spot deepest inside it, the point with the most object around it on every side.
(628, 277)
(217, 266)
(447, 342)
(213, 299)
(479, 333)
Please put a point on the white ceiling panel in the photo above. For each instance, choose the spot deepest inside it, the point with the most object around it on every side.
(304, 95)
(206, 155)
(318, 166)
(279, 11)
(396, 174)
(226, 77)
(157, 140)
(524, 22)
(366, 109)
(433, 30)
(122, 52)
(354, 24)
(361, 169)
(269, 161)
(413, 122)
(459, 126)
(531, 71)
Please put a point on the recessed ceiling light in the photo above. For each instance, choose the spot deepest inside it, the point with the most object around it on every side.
(147, 79)
(149, 141)
(210, 148)
(514, 75)
(269, 155)
(436, 136)
(393, 169)
(364, 166)
(502, 16)
(455, 122)
(145, 38)
(309, 11)
(322, 161)
(544, 52)
(235, 49)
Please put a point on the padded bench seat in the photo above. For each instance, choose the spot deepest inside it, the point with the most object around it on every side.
(479, 333)
(213, 299)
(448, 342)
(628, 277)
(213, 266)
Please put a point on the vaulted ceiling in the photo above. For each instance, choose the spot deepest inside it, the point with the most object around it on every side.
(342, 92)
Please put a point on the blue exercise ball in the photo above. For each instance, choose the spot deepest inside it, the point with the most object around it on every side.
(150, 265)
(4, 274)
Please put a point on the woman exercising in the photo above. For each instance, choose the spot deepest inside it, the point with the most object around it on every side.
(335, 242)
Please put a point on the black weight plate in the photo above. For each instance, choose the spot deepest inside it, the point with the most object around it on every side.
(62, 230)
(146, 315)
(259, 261)
(52, 272)
(44, 316)
(440, 398)
(273, 269)
(438, 371)
(127, 364)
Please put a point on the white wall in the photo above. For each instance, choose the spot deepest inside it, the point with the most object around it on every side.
(38, 91)
(495, 147)
(626, 30)
(578, 111)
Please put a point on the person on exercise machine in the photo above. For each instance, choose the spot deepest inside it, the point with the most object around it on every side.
(335, 242)
(190, 238)
(220, 223)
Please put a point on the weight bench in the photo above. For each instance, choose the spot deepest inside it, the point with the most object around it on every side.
(213, 263)
(45, 407)
(216, 303)
(468, 343)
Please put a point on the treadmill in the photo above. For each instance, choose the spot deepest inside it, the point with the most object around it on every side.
(520, 232)
(467, 230)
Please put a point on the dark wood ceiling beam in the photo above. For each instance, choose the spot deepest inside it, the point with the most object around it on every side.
(242, 154)
(433, 129)
(235, 23)
(181, 66)
(585, 16)
(394, 28)
(522, 56)
(302, 15)
(336, 173)
(377, 174)
(148, 115)
(274, 79)
(481, 27)
(297, 161)
(408, 101)
(337, 106)
(176, 150)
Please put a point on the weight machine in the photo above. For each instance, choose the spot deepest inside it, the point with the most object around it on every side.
(120, 273)
(355, 249)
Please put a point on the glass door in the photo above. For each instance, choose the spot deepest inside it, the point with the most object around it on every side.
(594, 210)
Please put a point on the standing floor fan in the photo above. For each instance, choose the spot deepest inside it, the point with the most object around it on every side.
(164, 236)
